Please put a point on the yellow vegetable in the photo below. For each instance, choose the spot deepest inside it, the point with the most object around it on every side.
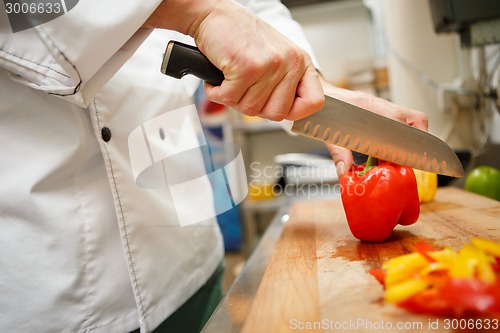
(426, 185)
(472, 262)
(409, 274)
(404, 290)
(403, 267)
(445, 255)
(487, 246)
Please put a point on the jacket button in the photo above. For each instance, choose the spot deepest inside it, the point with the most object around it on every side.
(106, 134)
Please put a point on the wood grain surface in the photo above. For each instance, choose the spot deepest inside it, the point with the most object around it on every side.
(317, 279)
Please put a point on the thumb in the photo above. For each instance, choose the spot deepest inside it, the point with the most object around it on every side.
(342, 157)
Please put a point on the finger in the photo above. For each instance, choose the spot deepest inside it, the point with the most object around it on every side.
(229, 93)
(406, 115)
(285, 92)
(249, 91)
(418, 119)
(342, 157)
(310, 97)
(281, 99)
(268, 98)
(280, 85)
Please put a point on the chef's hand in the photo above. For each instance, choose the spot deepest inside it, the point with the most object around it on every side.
(343, 157)
(266, 75)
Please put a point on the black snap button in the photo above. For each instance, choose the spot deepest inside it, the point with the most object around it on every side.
(106, 134)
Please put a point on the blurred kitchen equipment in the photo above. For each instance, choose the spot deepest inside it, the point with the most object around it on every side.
(299, 168)
(477, 22)
(444, 59)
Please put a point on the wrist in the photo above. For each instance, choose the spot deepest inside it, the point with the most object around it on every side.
(184, 16)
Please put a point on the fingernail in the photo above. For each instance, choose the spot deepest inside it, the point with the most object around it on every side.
(340, 168)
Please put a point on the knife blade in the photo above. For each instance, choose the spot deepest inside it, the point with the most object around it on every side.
(339, 123)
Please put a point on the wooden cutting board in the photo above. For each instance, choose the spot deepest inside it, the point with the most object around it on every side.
(317, 279)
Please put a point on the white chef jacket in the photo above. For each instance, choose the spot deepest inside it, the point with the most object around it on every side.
(82, 247)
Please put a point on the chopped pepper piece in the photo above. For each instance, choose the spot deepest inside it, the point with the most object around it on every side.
(445, 282)
(487, 246)
(404, 290)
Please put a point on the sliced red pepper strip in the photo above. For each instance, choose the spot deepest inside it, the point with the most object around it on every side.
(457, 297)
(496, 265)
(423, 248)
(472, 296)
(428, 302)
(378, 274)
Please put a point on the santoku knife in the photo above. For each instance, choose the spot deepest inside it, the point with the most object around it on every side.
(339, 123)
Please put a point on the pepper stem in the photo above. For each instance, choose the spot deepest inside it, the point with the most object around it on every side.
(370, 163)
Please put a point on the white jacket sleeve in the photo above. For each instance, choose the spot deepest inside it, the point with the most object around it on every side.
(74, 55)
(277, 15)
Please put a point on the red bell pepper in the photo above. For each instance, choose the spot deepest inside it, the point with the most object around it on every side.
(377, 196)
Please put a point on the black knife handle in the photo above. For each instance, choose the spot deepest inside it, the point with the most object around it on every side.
(181, 59)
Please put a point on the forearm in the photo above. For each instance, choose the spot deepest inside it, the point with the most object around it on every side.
(279, 17)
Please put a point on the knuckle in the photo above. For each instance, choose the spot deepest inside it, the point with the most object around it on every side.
(425, 117)
(317, 102)
(295, 59)
(229, 100)
(277, 115)
(277, 60)
(313, 103)
(425, 120)
(250, 109)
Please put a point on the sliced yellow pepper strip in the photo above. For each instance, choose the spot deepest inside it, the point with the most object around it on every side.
(487, 246)
(484, 270)
(403, 267)
(445, 255)
(466, 263)
(411, 259)
(412, 273)
(404, 290)
(435, 267)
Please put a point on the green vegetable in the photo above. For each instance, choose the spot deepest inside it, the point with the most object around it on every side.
(484, 180)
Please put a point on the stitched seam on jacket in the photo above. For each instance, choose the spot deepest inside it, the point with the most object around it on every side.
(77, 87)
(124, 225)
(86, 271)
(36, 63)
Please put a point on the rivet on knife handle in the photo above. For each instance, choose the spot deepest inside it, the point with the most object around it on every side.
(181, 59)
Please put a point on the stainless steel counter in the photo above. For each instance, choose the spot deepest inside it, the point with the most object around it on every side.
(231, 313)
